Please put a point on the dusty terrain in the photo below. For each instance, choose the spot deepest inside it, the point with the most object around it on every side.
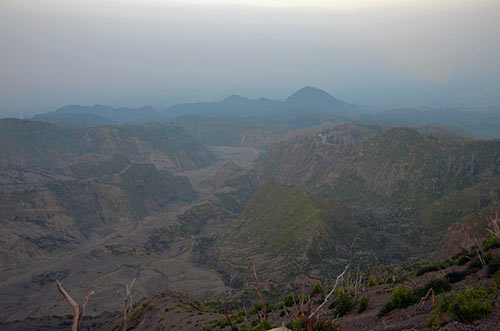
(156, 251)
(168, 311)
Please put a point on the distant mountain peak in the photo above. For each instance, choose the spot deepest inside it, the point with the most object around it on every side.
(235, 98)
(311, 94)
(311, 89)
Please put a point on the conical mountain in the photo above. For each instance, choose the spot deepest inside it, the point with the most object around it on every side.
(313, 100)
(311, 95)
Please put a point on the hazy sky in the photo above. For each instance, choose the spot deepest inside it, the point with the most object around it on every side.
(159, 52)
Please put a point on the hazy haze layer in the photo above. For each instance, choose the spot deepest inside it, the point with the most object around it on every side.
(156, 52)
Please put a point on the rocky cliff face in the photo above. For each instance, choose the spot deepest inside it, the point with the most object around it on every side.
(61, 212)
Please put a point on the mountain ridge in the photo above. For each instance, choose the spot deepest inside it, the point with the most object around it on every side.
(304, 101)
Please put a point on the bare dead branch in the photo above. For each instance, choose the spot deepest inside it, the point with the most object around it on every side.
(74, 305)
(228, 318)
(413, 283)
(77, 313)
(427, 295)
(245, 310)
(84, 305)
(481, 259)
(128, 304)
(352, 247)
(493, 223)
(331, 292)
(257, 286)
(302, 300)
(493, 233)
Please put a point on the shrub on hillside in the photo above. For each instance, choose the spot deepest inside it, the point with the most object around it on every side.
(456, 276)
(263, 326)
(364, 304)
(493, 266)
(474, 266)
(303, 323)
(289, 300)
(438, 285)
(464, 307)
(428, 268)
(496, 279)
(400, 298)
(491, 243)
(375, 282)
(317, 289)
(342, 304)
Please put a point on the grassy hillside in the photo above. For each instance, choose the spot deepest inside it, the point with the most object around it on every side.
(288, 232)
(399, 182)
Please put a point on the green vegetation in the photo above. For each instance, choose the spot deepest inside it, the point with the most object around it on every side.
(288, 221)
(433, 266)
(317, 289)
(364, 304)
(491, 243)
(303, 323)
(429, 181)
(465, 307)
(474, 263)
(289, 300)
(400, 298)
(438, 285)
(493, 266)
(456, 276)
(342, 304)
(374, 282)
(263, 326)
(496, 279)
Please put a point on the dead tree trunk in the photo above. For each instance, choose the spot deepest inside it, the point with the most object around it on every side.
(341, 276)
(264, 309)
(128, 304)
(493, 227)
(228, 318)
(77, 312)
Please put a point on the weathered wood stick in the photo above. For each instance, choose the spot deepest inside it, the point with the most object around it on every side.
(264, 308)
(331, 292)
